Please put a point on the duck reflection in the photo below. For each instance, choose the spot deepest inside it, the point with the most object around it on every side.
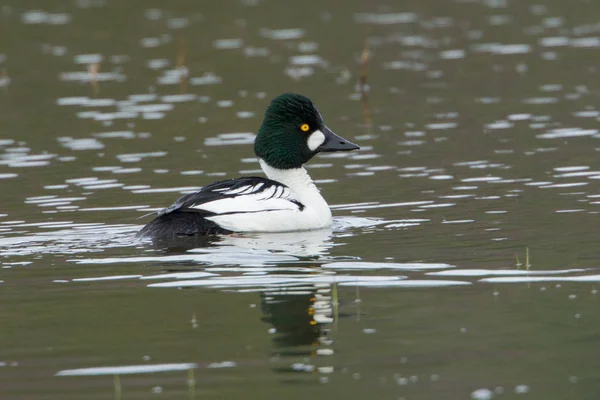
(300, 244)
(301, 320)
(300, 315)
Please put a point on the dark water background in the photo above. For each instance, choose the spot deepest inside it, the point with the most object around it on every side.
(463, 261)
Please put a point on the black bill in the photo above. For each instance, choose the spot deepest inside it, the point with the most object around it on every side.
(334, 142)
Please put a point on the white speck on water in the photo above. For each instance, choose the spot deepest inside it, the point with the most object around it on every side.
(158, 63)
(324, 352)
(180, 275)
(228, 43)
(72, 101)
(81, 144)
(567, 132)
(150, 42)
(207, 79)
(385, 18)
(222, 364)
(85, 76)
(42, 17)
(531, 279)
(587, 114)
(256, 52)
(299, 72)
(193, 172)
(301, 367)
(521, 389)
(307, 60)
(519, 117)
(178, 98)
(459, 221)
(107, 278)
(572, 168)
(129, 369)
(225, 139)
(245, 114)
(493, 272)
(577, 316)
(585, 42)
(360, 265)
(325, 370)
(117, 134)
(512, 49)
(442, 125)
(153, 115)
(482, 179)
(573, 379)
(177, 23)
(369, 331)
(482, 394)
(439, 205)
(356, 375)
(88, 58)
(452, 54)
(282, 34)
(157, 390)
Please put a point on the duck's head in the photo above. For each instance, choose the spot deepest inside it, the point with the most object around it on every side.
(293, 131)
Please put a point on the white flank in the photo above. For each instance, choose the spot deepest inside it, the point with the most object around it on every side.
(315, 139)
(287, 217)
(247, 203)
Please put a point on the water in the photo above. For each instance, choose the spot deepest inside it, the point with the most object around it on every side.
(463, 259)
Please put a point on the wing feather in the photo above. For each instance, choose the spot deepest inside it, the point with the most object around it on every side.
(242, 195)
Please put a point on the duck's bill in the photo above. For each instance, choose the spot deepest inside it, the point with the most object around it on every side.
(334, 142)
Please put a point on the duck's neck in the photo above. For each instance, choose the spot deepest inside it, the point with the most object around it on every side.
(295, 178)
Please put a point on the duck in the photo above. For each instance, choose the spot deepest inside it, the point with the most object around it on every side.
(286, 200)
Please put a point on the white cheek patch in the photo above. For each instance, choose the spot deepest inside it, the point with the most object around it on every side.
(315, 140)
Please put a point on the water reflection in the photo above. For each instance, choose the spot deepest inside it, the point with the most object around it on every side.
(301, 327)
(292, 316)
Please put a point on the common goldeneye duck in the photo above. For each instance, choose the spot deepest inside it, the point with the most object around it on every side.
(292, 132)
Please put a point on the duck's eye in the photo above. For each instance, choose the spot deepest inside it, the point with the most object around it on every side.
(304, 127)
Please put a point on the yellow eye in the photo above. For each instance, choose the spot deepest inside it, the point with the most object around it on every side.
(304, 127)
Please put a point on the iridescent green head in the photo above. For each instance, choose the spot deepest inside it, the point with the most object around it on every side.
(293, 131)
